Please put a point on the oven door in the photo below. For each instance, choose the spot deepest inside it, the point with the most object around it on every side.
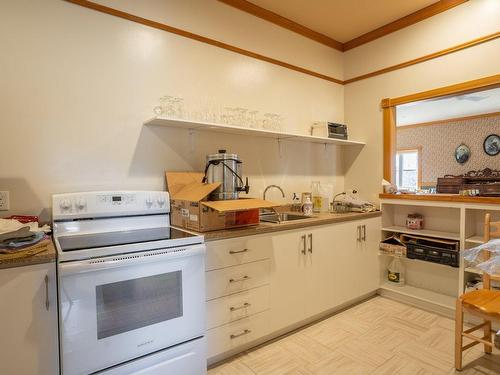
(118, 308)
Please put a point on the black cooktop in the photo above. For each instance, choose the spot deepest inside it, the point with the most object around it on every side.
(95, 240)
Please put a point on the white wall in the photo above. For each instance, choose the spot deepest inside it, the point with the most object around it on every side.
(362, 99)
(77, 85)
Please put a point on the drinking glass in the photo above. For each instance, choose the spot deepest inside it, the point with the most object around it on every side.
(267, 121)
(253, 121)
(178, 107)
(167, 105)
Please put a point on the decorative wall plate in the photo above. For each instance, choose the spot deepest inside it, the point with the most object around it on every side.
(491, 144)
(462, 153)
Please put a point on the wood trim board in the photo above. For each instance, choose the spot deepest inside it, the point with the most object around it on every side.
(403, 22)
(255, 10)
(428, 57)
(446, 121)
(459, 88)
(389, 139)
(442, 198)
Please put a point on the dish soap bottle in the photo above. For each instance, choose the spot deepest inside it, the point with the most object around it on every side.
(396, 272)
(308, 207)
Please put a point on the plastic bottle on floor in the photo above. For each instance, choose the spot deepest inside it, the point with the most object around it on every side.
(396, 272)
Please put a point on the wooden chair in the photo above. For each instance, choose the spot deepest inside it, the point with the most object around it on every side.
(483, 303)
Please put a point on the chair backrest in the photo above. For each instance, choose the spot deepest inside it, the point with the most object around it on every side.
(491, 230)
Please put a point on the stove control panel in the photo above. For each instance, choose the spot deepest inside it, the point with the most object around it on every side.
(109, 204)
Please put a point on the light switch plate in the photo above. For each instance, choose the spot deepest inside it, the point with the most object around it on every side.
(4, 201)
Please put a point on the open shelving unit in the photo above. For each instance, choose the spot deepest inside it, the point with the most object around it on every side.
(431, 285)
(263, 133)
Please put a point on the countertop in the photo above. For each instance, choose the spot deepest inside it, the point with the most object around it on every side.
(45, 253)
(442, 198)
(317, 219)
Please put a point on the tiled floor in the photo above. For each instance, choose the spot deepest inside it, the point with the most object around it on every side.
(379, 336)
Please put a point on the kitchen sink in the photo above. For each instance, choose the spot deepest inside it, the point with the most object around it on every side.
(282, 217)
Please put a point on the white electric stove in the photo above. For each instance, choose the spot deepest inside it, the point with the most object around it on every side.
(131, 287)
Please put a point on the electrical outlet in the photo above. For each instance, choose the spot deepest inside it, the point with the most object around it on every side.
(4, 201)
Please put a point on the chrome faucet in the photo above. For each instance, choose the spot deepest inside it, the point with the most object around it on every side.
(273, 186)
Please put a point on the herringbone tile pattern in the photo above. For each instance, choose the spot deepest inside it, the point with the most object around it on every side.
(379, 336)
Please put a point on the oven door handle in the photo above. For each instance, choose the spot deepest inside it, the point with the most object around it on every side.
(124, 260)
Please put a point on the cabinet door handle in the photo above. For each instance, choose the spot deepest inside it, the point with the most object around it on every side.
(235, 335)
(359, 233)
(244, 306)
(246, 277)
(47, 303)
(364, 233)
(310, 236)
(303, 251)
(237, 251)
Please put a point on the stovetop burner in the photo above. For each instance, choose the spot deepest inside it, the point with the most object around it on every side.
(115, 238)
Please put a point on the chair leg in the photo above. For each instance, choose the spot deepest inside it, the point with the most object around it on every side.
(459, 327)
(487, 334)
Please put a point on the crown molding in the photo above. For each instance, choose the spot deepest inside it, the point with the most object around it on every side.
(419, 15)
(255, 10)
(413, 18)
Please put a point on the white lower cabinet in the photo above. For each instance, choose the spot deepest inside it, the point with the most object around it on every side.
(28, 315)
(236, 334)
(230, 308)
(236, 279)
(300, 274)
(356, 269)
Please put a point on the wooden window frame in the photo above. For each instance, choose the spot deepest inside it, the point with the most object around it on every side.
(389, 114)
(418, 150)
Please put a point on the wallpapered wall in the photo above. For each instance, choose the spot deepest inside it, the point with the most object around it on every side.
(439, 141)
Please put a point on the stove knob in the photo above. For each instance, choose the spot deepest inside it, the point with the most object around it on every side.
(81, 204)
(161, 201)
(65, 204)
(149, 202)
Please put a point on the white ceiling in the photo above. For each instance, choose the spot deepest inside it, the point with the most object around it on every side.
(449, 107)
(343, 20)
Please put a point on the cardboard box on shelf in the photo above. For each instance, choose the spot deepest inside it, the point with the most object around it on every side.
(191, 209)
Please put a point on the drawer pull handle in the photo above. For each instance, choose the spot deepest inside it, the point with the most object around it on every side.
(238, 252)
(47, 303)
(238, 280)
(245, 332)
(245, 305)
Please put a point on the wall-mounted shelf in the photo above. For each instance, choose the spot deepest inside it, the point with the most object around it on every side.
(423, 232)
(231, 129)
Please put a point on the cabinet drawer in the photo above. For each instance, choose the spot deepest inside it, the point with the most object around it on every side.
(233, 335)
(237, 306)
(237, 251)
(236, 279)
